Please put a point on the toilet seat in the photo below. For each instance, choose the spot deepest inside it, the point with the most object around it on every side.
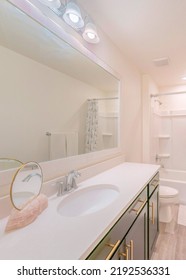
(167, 192)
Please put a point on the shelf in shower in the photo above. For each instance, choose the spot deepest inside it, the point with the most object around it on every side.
(107, 134)
(164, 136)
(163, 155)
(108, 114)
(172, 115)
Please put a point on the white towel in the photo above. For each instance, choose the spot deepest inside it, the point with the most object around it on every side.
(57, 146)
(72, 143)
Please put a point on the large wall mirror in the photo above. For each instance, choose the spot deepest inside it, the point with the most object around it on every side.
(55, 102)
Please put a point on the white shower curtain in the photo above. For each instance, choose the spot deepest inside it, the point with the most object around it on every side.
(91, 126)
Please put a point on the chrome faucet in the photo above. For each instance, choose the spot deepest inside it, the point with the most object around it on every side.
(159, 159)
(29, 176)
(69, 183)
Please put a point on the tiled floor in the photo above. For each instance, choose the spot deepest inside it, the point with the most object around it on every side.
(171, 242)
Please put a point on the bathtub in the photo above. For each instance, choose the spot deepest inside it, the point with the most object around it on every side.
(175, 179)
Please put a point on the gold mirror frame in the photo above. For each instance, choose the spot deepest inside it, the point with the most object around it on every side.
(24, 195)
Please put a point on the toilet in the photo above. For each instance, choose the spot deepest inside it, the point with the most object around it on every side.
(167, 197)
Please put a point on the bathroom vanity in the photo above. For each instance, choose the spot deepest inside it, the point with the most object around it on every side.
(120, 223)
(134, 234)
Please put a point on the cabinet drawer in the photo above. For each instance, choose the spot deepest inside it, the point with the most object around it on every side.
(154, 183)
(110, 243)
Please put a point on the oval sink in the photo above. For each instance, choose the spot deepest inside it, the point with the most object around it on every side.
(88, 200)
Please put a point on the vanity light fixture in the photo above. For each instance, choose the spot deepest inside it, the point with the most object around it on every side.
(72, 15)
(53, 4)
(70, 12)
(90, 33)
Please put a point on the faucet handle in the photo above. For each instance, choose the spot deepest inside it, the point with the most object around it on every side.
(60, 186)
(76, 173)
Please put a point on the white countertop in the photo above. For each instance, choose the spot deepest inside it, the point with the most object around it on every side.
(52, 236)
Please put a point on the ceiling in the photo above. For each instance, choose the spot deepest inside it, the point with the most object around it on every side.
(145, 30)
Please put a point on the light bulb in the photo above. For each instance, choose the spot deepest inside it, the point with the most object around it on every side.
(91, 35)
(74, 18)
(72, 15)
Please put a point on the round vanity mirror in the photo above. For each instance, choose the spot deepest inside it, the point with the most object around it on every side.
(9, 163)
(26, 184)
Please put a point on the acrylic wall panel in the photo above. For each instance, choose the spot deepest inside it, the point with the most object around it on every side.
(154, 131)
(168, 141)
(178, 151)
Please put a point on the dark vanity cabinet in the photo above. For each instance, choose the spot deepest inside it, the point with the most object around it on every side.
(153, 213)
(135, 240)
(133, 247)
(132, 237)
(127, 238)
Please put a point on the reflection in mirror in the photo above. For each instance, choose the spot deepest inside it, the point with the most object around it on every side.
(55, 102)
(26, 184)
(9, 163)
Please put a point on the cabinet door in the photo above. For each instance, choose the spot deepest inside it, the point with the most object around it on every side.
(134, 246)
(136, 239)
(153, 220)
(108, 247)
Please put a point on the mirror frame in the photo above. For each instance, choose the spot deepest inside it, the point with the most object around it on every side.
(13, 181)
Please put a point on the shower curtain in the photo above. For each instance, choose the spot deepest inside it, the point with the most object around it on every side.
(91, 126)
